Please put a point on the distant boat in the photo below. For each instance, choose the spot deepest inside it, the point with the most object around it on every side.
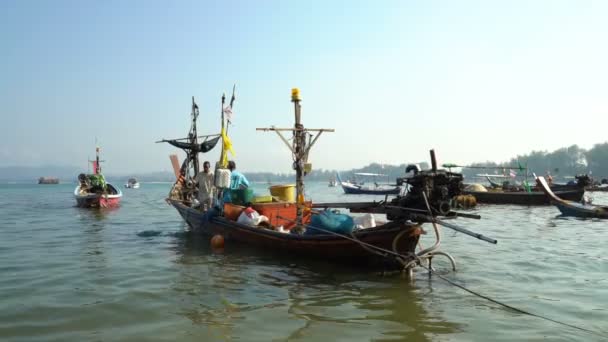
(132, 183)
(48, 180)
(92, 190)
(570, 208)
(354, 188)
(332, 182)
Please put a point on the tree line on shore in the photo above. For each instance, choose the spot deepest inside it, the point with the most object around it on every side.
(562, 163)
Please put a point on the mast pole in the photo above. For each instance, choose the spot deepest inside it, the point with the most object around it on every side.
(299, 149)
(223, 126)
(194, 137)
(97, 164)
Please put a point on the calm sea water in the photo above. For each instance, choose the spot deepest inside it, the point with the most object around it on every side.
(133, 274)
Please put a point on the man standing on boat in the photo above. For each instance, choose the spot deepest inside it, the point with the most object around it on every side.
(237, 181)
(206, 187)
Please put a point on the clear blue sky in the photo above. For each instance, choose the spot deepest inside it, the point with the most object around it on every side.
(476, 80)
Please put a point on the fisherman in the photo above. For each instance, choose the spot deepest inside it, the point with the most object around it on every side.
(237, 181)
(206, 187)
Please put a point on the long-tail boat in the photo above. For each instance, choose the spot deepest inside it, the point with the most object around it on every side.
(523, 197)
(388, 245)
(571, 208)
(352, 188)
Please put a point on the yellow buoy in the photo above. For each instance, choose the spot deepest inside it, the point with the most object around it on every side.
(217, 241)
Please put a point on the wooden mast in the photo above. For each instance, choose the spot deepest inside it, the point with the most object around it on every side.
(300, 151)
(223, 126)
(194, 138)
(299, 145)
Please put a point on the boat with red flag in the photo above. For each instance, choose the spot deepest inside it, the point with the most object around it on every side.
(93, 191)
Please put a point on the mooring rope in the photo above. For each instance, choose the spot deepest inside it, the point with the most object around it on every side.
(417, 259)
(510, 306)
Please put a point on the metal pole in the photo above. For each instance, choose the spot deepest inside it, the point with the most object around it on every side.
(433, 161)
(299, 135)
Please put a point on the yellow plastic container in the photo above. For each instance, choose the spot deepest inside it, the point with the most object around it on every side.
(286, 192)
(262, 199)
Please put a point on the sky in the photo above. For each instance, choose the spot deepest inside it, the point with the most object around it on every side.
(475, 80)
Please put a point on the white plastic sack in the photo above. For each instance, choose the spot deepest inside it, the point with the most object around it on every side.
(251, 217)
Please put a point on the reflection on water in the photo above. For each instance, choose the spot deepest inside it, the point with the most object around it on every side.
(95, 214)
(232, 294)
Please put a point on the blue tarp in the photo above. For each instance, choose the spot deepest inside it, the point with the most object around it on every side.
(327, 220)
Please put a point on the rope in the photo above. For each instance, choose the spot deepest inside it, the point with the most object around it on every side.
(417, 260)
(521, 311)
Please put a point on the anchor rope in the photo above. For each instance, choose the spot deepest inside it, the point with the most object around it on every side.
(418, 260)
(510, 306)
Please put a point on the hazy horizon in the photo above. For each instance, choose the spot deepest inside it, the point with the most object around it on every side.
(475, 80)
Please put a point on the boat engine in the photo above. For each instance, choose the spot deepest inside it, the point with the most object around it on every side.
(439, 186)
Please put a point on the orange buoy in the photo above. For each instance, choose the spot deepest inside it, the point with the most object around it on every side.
(217, 241)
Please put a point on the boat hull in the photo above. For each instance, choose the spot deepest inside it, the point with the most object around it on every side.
(571, 208)
(582, 210)
(523, 198)
(97, 200)
(326, 247)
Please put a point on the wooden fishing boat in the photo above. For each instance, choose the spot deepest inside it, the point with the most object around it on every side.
(351, 188)
(93, 191)
(401, 237)
(499, 196)
(571, 208)
(290, 228)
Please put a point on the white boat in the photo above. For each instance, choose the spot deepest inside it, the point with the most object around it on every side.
(132, 183)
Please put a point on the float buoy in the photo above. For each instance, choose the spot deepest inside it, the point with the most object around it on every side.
(217, 241)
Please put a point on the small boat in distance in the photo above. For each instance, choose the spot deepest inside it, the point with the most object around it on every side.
(93, 191)
(332, 182)
(132, 183)
(359, 188)
(48, 180)
(570, 208)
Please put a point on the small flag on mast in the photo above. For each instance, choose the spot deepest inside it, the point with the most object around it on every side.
(228, 113)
